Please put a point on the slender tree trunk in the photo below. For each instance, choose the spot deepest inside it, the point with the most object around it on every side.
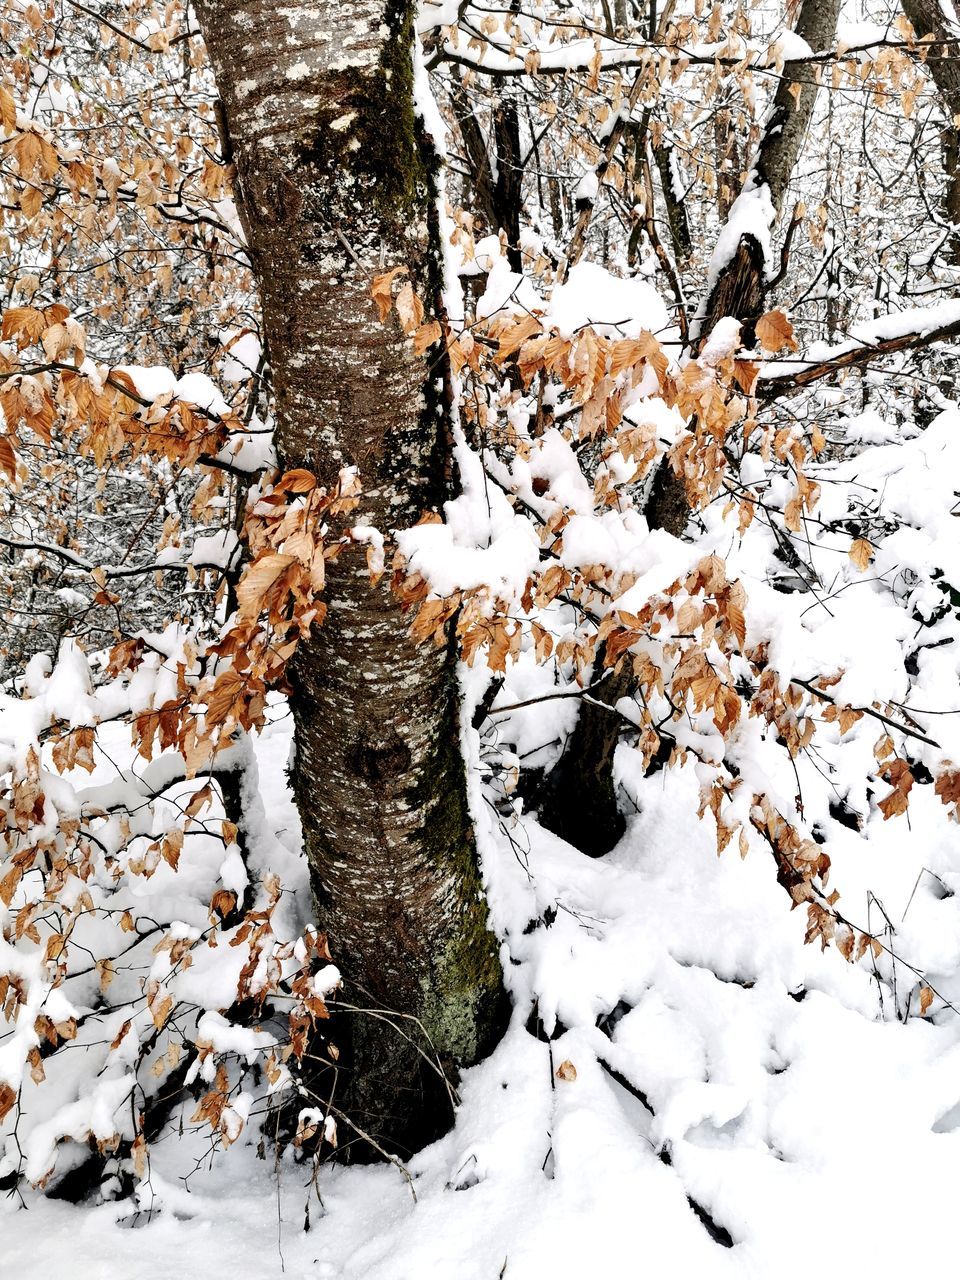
(676, 208)
(740, 288)
(334, 185)
(508, 188)
(498, 197)
(580, 803)
(930, 18)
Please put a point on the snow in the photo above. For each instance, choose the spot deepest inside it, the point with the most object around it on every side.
(752, 214)
(616, 307)
(682, 1077)
(200, 390)
(507, 289)
(157, 382)
(587, 188)
(766, 1103)
(214, 549)
(242, 351)
(862, 35)
(483, 542)
(788, 46)
(724, 341)
(151, 381)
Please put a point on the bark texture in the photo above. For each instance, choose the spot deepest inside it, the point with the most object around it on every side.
(676, 208)
(927, 17)
(334, 184)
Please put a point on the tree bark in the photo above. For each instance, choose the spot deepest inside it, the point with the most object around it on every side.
(676, 209)
(927, 17)
(581, 803)
(578, 801)
(740, 288)
(334, 179)
(499, 198)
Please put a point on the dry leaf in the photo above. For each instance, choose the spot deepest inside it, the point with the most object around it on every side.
(382, 291)
(426, 336)
(861, 553)
(257, 581)
(775, 332)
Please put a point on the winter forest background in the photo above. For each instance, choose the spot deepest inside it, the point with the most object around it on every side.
(480, 716)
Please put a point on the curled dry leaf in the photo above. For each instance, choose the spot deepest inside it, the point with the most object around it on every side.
(382, 292)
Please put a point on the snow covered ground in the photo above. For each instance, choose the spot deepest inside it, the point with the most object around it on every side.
(718, 1099)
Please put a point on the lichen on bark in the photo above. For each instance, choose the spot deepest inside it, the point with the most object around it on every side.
(337, 184)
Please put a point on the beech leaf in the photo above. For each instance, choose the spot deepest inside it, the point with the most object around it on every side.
(775, 332)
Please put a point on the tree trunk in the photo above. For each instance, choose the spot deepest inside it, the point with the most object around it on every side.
(740, 288)
(578, 801)
(676, 208)
(929, 18)
(508, 188)
(581, 803)
(334, 185)
(498, 198)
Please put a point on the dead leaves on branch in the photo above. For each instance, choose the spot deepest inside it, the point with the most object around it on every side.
(409, 308)
(44, 389)
(278, 603)
(861, 553)
(690, 645)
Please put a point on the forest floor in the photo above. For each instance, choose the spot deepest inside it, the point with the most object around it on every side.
(718, 1099)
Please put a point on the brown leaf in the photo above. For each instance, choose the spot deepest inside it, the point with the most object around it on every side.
(139, 1153)
(8, 885)
(8, 110)
(171, 845)
(926, 1000)
(105, 972)
(8, 459)
(566, 1071)
(426, 336)
(409, 309)
(738, 623)
(221, 698)
(512, 339)
(25, 321)
(861, 553)
(745, 375)
(257, 581)
(774, 332)
(382, 292)
(160, 1011)
(121, 1034)
(198, 800)
(297, 481)
(56, 944)
(7, 1099)
(222, 903)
